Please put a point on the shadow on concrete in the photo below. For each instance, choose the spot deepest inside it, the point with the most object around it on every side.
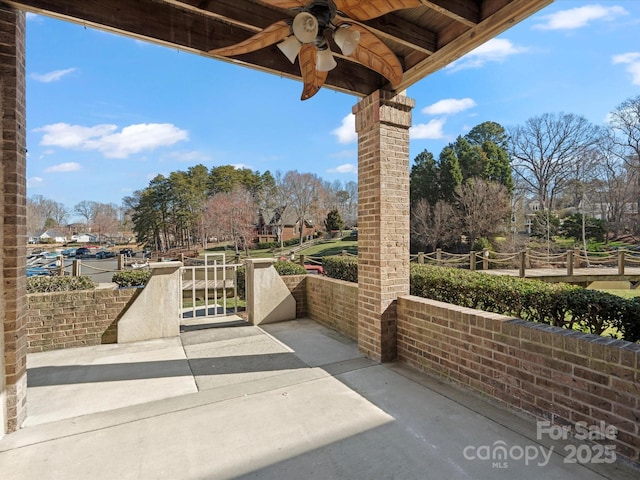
(216, 324)
(115, 372)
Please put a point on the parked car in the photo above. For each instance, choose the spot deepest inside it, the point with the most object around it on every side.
(314, 269)
(105, 254)
(83, 252)
(69, 252)
(128, 252)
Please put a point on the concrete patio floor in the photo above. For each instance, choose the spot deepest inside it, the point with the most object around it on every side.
(287, 401)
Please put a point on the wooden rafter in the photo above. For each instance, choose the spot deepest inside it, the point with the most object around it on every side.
(424, 38)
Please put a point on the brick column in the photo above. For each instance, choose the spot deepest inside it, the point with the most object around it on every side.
(382, 122)
(13, 236)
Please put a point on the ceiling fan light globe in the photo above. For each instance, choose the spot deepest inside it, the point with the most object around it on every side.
(305, 27)
(347, 40)
(325, 61)
(290, 46)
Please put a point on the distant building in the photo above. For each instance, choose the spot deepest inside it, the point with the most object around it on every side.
(48, 236)
(84, 238)
(270, 227)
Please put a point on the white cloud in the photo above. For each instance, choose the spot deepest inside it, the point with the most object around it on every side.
(34, 182)
(52, 76)
(346, 132)
(345, 168)
(430, 131)
(579, 17)
(449, 106)
(108, 141)
(495, 50)
(64, 168)
(632, 60)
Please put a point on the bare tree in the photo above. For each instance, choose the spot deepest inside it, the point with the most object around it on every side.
(305, 193)
(482, 206)
(545, 151)
(613, 190)
(86, 209)
(625, 121)
(281, 203)
(42, 211)
(105, 220)
(232, 215)
(433, 227)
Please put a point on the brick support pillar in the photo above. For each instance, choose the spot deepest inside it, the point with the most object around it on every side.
(13, 236)
(382, 122)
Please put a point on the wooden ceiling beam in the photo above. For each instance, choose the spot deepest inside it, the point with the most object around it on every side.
(466, 12)
(162, 23)
(514, 12)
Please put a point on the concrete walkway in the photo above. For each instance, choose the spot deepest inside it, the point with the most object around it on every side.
(288, 401)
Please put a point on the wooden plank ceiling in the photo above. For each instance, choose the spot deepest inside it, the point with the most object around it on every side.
(425, 38)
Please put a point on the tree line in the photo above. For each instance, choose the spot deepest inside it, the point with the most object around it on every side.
(225, 203)
(570, 169)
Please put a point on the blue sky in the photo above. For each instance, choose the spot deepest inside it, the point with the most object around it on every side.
(107, 113)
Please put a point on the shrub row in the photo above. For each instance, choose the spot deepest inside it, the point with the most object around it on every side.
(283, 267)
(341, 267)
(286, 243)
(557, 304)
(131, 278)
(58, 284)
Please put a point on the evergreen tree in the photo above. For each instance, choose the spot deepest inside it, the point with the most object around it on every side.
(450, 174)
(424, 181)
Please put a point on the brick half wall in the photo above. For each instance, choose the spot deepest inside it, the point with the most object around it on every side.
(552, 373)
(75, 319)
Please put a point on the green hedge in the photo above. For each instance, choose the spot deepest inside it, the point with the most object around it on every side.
(557, 304)
(286, 243)
(341, 267)
(131, 278)
(58, 284)
(283, 267)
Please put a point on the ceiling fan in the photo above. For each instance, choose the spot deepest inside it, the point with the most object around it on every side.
(306, 38)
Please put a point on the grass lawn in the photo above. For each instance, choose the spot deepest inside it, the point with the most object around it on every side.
(331, 247)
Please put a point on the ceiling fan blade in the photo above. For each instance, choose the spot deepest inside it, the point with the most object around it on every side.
(373, 53)
(270, 35)
(312, 78)
(285, 3)
(359, 10)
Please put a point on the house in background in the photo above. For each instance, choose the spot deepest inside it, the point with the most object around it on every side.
(48, 236)
(84, 238)
(273, 229)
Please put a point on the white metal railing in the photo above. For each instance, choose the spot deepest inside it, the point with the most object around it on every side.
(207, 284)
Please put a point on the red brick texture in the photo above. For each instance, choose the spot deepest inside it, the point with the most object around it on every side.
(554, 374)
(297, 286)
(382, 122)
(75, 319)
(13, 236)
(333, 303)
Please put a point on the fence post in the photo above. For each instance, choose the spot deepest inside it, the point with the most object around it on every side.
(576, 260)
(344, 253)
(570, 263)
(485, 259)
(439, 257)
(75, 270)
(523, 259)
(120, 262)
(620, 262)
(61, 265)
(301, 259)
(472, 262)
(421, 257)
